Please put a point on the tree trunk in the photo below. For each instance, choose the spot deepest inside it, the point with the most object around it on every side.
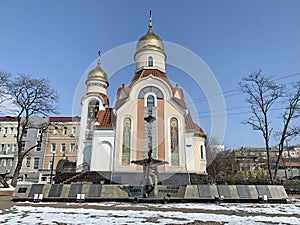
(269, 164)
(280, 150)
(17, 172)
(3, 182)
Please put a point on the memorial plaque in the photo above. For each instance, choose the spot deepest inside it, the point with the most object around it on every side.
(36, 189)
(74, 190)
(135, 191)
(95, 190)
(243, 191)
(263, 190)
(22, 190)
(55, 190)
(224, 191)
(172, 190)
(204, 190)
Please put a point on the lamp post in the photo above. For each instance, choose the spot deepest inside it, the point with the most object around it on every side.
(52, 165)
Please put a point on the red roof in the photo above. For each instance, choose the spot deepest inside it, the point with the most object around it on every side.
(147, 72)
(293, 164)
(8, 118)
(105, 118)
(65, 119)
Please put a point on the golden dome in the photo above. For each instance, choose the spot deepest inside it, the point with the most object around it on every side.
(97, 73)
(150, 40)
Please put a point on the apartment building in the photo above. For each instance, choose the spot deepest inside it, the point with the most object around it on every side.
(61, 143)
(8, 144)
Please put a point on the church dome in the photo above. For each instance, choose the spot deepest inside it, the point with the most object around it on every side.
(150, 41)
(97, 73)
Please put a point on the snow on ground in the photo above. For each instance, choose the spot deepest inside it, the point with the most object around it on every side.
(125, 213)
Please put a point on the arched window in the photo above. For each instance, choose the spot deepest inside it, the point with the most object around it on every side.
(150, 61)
(126, 145)
(93, 109)
(201, 152)
(174, 142)
(150, 104)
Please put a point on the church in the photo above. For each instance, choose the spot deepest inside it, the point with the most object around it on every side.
(112, 137)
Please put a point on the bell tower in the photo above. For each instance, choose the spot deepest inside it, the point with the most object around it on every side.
(94, 101)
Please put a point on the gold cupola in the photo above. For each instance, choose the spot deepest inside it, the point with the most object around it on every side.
(150, 41)
(97, 74)
(97, 80)
(150, 51)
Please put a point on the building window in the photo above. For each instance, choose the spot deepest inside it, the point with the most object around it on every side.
(28, 159)
(65, 130)
(25, 132)
(9, 162)
(73, 131)
(39, 133)
(36, 163)
(55, 131)
(23, 145)
(174, 142)
(53, 147)
(72, 147)
(201, 152)
(50, 165)
(63, 147)
(126, 141)
(150, 61)
(38, 146)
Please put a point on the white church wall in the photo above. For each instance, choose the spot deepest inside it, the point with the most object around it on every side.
(102, 150)
(190, 151)
(83, 125)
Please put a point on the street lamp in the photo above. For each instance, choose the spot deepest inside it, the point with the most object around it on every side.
(52, 165)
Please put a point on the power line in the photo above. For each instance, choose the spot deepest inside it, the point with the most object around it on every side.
(231, 114)
(223, 94)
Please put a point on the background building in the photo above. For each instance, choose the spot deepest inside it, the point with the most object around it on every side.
(8, 144)
(61, 143)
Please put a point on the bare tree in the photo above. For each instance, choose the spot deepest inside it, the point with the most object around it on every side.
(3, 87)
(213, 147)
(32, 97)
(263, 93)
(289, 131)
(222, 167)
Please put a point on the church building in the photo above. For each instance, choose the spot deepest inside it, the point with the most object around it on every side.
(111, 137)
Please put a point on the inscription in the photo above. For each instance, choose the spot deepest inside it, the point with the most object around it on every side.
(22, 190)
(170, 189)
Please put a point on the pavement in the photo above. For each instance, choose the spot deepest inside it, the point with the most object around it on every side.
(6, 202)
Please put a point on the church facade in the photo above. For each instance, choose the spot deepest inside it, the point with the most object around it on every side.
(112, 137)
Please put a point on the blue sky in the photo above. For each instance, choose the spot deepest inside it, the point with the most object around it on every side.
(58, 40)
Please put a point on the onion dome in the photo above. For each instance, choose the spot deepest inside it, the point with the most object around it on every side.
(150, 40)
(97, 74)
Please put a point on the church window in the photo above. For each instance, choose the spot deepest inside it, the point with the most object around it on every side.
(150, 104)
(126, 145)
(154, 90)
(201, 152)
(150, 61)
(93, 109)
(174, 142)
